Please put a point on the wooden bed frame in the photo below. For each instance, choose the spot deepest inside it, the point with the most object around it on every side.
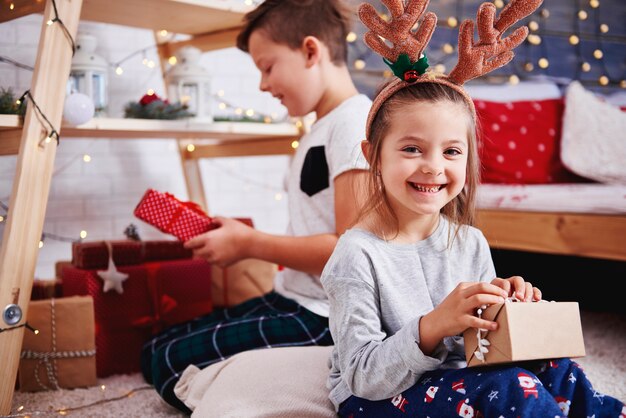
(584, 235)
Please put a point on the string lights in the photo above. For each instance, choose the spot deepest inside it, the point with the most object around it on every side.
(24, 325)
(248, 182)
(44, 235)
(52, 133)
(21, 412)
(588, 39)
(58, 20)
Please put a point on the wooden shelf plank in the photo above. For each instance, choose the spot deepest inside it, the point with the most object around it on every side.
(269, 146)
(584, 235)
(191, 17)
(168, 129)
(183, 129)
(10, 122)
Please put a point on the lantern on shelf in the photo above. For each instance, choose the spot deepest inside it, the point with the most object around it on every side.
(88, 72)
(190, 84)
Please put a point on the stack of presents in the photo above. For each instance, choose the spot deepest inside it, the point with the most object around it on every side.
(113, 296)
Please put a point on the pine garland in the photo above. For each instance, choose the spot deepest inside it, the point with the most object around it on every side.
(8, 103)
(153, 107)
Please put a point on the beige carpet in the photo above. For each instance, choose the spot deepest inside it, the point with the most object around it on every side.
(605, 342)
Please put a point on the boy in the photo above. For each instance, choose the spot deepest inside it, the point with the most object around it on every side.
(299, 46)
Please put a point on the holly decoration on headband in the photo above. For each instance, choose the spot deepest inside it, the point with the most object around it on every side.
(406, 70)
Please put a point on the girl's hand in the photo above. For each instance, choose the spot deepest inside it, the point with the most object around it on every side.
(225, 245)
(516, 286)
(457, 312)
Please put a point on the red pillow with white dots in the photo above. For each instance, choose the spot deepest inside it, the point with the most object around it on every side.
(519, 142)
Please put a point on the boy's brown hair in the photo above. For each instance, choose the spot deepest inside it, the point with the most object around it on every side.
(288, 22)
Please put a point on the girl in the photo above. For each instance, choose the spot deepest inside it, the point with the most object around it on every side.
(408, 278)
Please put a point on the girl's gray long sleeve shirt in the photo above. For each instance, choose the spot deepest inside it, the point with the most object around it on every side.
(378, 292)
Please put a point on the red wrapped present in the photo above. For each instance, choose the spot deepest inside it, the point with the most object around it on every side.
(95, 254)
(184, 220)
(46, 289)
(155, 295)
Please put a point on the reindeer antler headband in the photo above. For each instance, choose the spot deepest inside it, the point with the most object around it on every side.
(406, 57)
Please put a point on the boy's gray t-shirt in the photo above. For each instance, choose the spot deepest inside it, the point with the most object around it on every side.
(378, 292)
(332, 147)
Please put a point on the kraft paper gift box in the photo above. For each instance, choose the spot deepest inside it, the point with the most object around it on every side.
(63, 353)
(241, 281)
(527, 331)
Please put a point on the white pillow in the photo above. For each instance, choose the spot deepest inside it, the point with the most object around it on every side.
(593, 143)
(504, 93)
(285, 382)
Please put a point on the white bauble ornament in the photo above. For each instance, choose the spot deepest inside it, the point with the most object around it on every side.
(78, 109)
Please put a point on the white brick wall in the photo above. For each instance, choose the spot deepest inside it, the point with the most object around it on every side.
(99, 196)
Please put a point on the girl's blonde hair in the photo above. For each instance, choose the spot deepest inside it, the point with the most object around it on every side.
(461, 209)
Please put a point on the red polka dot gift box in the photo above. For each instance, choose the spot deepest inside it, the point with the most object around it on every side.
(184, 220)
(519, 142)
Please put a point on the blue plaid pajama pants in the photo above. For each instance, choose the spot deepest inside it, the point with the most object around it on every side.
(559, 388)
(267, 321)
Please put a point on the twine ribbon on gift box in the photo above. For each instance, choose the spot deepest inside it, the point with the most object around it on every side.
(46, 357)
(483, 342)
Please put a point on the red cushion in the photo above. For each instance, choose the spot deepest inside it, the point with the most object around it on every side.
(519, 142)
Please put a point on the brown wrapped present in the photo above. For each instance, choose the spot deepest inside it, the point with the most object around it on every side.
(526, 331)
(63, 352)
(46, 289)
(243, 280)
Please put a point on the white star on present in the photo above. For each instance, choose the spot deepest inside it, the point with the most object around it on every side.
(112, 277)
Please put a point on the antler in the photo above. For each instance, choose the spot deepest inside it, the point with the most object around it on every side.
(491, 52)
(398, 31)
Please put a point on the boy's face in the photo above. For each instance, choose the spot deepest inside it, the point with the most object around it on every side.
(288, 74)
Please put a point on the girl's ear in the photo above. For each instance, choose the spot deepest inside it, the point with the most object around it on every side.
(312, 50)
(365, 149)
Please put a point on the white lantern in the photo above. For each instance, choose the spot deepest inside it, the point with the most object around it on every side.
(88, 73)
(189, 83)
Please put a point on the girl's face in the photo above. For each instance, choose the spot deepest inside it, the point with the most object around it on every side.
(423, 158)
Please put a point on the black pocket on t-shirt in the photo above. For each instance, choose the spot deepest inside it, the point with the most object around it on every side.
(314, 175)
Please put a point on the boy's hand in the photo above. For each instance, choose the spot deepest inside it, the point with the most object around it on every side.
(516, 286)
(225, 245)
